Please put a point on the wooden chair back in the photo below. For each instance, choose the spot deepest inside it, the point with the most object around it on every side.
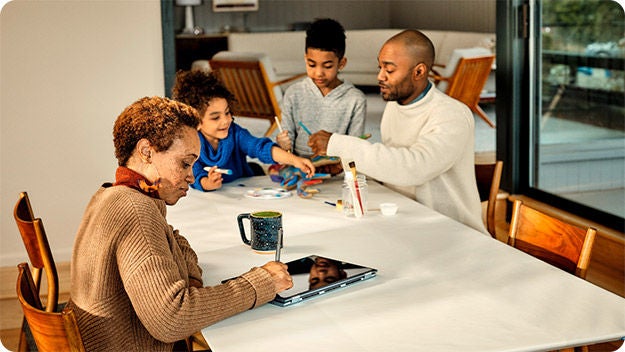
(38, 249)
(51, 331)
(488, 177)
(467, 82)
(250, 83)
(563, 245)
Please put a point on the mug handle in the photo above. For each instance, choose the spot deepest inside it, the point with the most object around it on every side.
(240, 218)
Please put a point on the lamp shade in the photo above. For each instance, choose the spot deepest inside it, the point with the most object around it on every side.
(188, 2)
(235, 5)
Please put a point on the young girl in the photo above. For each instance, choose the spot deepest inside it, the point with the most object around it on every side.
(224, 144)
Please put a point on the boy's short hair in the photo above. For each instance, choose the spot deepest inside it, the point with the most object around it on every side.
(328, 35)
(197, 88)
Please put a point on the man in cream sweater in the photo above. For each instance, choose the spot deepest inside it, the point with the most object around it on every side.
(427, 149)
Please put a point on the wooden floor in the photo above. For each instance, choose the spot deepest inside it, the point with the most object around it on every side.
(606, 270)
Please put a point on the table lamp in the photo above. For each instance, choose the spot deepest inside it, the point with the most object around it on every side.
(189, 26)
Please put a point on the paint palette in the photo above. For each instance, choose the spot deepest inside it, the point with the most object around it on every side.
(268, 193)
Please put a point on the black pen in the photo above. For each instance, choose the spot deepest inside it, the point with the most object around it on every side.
(278, 244)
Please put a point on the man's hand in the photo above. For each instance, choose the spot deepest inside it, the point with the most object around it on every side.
(318, 141)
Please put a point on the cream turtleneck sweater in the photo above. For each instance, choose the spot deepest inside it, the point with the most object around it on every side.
(427, 154)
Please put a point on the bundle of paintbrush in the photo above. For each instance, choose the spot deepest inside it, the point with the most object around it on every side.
(357, 198)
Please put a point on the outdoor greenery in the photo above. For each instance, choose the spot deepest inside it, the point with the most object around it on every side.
(573, 24)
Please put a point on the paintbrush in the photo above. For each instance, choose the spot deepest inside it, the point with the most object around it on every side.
(305, 128)
(358, 209)
(279, 244)
(278, 123)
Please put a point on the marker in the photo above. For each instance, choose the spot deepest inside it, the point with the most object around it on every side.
(304, 127)
(220, 171)
(223, 171)
(278, 123)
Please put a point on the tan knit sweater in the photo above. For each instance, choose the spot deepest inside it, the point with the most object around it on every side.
(130, 278)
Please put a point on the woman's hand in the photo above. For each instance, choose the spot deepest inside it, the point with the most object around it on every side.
(212, 181)
(281, 278)
(284, 141)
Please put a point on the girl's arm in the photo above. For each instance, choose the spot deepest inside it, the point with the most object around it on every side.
(281, 156)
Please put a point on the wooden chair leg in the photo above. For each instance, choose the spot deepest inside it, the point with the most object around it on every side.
(198, 343)
(271, 129)
(478, 110)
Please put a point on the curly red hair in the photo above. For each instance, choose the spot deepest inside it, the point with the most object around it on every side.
(159, 120)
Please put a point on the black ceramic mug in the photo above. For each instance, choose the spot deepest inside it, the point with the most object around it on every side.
(264, 228)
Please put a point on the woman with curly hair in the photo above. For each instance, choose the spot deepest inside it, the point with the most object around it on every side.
(135, 281)
(225, 144)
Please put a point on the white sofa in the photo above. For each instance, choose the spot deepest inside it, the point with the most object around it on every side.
(286, 49)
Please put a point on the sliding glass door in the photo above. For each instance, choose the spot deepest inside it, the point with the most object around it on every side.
(577, 113)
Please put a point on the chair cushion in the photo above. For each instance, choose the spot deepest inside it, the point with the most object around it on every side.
(453, 62)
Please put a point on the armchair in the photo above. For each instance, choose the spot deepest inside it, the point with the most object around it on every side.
(465, 76)
(250, 77)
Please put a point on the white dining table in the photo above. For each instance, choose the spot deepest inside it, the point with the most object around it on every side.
(441, 286)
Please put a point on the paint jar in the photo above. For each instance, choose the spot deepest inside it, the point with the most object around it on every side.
(348, 195)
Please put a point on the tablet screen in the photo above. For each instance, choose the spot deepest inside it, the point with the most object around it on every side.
(315, 275)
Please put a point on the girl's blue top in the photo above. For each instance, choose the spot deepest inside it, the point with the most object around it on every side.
(232, 154)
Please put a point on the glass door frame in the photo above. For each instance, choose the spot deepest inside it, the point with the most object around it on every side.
(518, 107)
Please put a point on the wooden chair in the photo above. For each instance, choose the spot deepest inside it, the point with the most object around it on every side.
(488, 177)
(467, 82)
(563, 245)
(38, 249)
(51, 331)
(36, 243)
(250, 77)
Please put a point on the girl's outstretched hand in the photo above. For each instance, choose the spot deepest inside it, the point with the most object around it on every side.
(305, 165)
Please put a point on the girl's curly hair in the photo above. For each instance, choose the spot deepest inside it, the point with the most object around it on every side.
(159, 120)
(197, 88)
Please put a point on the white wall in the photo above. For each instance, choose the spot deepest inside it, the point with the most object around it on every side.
(67, 69)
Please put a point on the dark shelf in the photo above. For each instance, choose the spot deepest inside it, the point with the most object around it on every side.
(198, 47)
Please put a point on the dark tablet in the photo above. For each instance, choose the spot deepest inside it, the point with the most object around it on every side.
(316, 275)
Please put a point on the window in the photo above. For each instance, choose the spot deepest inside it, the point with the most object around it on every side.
(577, 114)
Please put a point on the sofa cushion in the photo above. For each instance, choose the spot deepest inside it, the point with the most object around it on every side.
(278, 45)
(285, 68)
(454, 40)
(286, 49)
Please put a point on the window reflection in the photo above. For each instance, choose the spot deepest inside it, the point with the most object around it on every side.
(579, 133)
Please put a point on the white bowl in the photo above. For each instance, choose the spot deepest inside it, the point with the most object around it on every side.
(388, 209)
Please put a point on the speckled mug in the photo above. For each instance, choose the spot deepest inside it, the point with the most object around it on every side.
(264, 228)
